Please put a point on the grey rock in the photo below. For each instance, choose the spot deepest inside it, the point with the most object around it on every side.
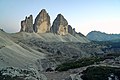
(27, 24)
(70, 30)
(80, 34)
(42, 22)
(74, 32)
(60, 25)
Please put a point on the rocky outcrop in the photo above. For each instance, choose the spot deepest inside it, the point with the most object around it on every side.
(42, 22)
(27, 24)
(42, 25)
(80, 34)
(60, 25)
(70, 30)
(74, 32)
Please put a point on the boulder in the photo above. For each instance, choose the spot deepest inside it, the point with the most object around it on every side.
(42, 22)
(27, 24)
(60, 25)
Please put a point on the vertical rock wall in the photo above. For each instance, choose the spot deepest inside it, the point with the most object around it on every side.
(42, 25)
(27, 24)
(60, 25)
(42, 22)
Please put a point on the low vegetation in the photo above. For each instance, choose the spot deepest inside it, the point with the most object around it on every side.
(7, 77)
(109, 44)
(100, 73)
(78, 63)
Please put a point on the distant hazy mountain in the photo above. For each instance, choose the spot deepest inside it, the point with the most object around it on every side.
(100, 36)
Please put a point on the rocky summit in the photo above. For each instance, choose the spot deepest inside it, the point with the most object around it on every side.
(59, 31)
(71, 31)
(42, 22)
(60, 25)
(27, 24)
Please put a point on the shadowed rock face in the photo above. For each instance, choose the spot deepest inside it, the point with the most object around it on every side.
(42, 22)
(60, 25)
(27, 24)
(70, 30)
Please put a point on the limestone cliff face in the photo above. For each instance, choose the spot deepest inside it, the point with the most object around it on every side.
(42, 22)
(27, 24)
(60, 25)
(42, 25)
(74, 32)
(70, 30)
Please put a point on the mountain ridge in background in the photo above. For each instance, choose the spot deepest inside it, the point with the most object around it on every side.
(102, 36)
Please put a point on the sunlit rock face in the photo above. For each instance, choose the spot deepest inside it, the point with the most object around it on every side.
(42, 22)
(27, 24)
(60, 25)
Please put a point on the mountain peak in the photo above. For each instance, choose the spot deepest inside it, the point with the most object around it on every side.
(44, 11)
(27, 24)
(42, 22)
(60, 25)
(60, 16)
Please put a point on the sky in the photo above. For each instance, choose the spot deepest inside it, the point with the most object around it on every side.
(83, 15)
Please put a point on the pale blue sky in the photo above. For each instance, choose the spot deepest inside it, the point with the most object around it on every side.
(84, 15)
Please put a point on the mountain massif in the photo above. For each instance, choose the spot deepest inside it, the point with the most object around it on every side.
(41, 50)
(58, 31)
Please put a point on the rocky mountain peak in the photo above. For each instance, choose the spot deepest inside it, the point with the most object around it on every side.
(42, 22)
(60, 25)
(27, 24)
(43, 11)
(60, 17)
(62, 20)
